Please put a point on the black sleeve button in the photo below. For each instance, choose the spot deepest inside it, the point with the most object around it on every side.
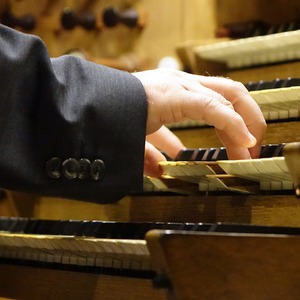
(70, 168)
(84, 168)
(53, 167)
(97, 169)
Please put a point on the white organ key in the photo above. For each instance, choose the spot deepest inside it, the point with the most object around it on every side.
(234, 167)
(280, 162)
(279, 103)
(99, 261)
(117, 264)
(186, 169)
(270, 172)
(74, 251)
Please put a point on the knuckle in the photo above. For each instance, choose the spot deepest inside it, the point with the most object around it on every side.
(240, 86)
(237, 86)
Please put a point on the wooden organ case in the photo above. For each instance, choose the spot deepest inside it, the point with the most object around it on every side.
(178, 239)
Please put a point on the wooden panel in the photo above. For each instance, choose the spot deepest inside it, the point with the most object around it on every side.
(30, 205)
(163, 32)
(280, 209)
(272, 12)
(285, 70)
(20, 282)
(227, 266)
(205, 137)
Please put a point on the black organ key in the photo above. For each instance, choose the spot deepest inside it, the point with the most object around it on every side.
(87, 229)
(216, 154)
(71, 227)
(264, 152)
(98, 229)
(135, 231)
(283, 27)
(202, 227)
(289, 82)
(31, 226)
(294, 25)
(209, 154)
(130, 230)
(200, 154)
(272, 84)
(20, 226)
(251, 86)
(112, 230)
(271, 150)
(189, 226)
(273, 29)
(186, 155)
(172, 226)
(278, 83)
(15, 225)
(220, 154)
(119, 231)
(265, 85)
(46, 227)
(139, 230)
(278, 150)
(164, 226)
(168, 158)
(5, 224)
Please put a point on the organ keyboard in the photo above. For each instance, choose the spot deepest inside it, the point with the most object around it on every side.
(212, 171)
(278, 99)
(253, 51)
(111, 247)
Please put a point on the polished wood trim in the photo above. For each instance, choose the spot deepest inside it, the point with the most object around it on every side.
(25, 282)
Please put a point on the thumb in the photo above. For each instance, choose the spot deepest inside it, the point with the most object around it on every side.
(167, 141)
(151, 160)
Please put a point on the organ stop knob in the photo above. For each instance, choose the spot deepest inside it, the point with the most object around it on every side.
(70, 19)
(113, 16)
(26, 22)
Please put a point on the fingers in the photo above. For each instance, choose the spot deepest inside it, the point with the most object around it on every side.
(243, 104)
(231, 109)
(166, 141)
(217, 111)
(233, 151)
(174, 96)
(152, 158)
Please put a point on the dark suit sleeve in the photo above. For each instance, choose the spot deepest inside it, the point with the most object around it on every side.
(68, 128)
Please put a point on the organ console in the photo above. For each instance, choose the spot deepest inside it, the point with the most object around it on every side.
(210, 228)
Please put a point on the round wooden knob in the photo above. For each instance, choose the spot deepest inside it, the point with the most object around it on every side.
(87, 20)
(112, 17)
(26, 22)
(69, 19)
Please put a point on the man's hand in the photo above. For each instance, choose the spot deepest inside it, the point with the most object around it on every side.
(174, 96)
